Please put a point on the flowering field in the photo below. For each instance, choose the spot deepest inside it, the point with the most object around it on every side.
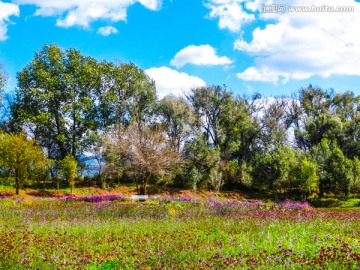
(110, 232)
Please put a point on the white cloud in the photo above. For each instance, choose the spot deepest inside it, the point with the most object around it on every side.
(6, 11)
(231, 14)
(304, 44)
(263, 75)
(199, 55)
(82, 13)
(107, 30)
(169, 81)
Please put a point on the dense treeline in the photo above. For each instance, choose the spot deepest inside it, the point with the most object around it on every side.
(77, 109)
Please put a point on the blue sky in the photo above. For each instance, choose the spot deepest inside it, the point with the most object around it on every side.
(187, 43)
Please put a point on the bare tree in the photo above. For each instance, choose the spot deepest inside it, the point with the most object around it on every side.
(3, 77)
(143, 152)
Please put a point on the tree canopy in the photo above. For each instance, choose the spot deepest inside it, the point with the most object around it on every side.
(76, 108)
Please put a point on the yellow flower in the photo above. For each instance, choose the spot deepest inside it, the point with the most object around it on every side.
(172, 211)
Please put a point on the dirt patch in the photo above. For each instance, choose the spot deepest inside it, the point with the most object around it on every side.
(6, 193)
(125, 190)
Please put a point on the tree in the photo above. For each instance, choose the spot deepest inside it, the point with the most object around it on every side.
(341, 171)
(68, 168)
(125, 93)
(20, 157)
(202, 160)
(335, 171)
(273, 122)
(3, 77)
(242, 132)
(64, 96)
(211, 107)
(143, 152)
(304, 177)
(4, 105)
(351, 138)
(54, 103)
(321, 153)
(216, 180)
(177, 119)
(356, 169)
(273, 169)
(324, 126)
(315, 101)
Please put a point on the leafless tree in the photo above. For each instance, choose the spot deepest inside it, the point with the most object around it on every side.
(143, 152)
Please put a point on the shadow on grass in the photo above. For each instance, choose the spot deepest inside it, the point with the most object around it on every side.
(47, 193)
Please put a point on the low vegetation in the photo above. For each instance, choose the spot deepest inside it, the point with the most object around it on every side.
(111, 232)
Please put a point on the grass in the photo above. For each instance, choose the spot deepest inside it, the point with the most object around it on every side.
(336, 203)
(174, 233)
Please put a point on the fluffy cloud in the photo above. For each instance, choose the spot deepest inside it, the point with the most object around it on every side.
(82, 13)
(6, 11)
(204, 55)
(107, 30)
(298, 45)
(231, 13)
(169, 81)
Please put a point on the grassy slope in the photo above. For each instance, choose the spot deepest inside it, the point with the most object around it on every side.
(129, 189)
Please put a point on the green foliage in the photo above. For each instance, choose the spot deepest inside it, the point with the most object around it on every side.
(212, 105)
(236, 174)
(341, 171)
(177, 119)
(65, 96)
(125, 94)
(356, 164)
(202, 158)
(335, 171)
(216, 180)
(54, 98)
(69, 102)
(321, 153)
(304, 177)
(21, 159)
(273, 169)
(195, 178)
(241, 132)
(68, 168)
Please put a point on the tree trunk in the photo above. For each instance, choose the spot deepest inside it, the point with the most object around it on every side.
(17, 184)
(143, 184)
(103, 183)
(142, 190)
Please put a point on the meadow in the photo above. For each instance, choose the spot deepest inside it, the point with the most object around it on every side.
(112, 232)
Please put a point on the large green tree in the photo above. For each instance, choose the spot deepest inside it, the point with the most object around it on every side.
(53, 102)
(65, 100)
(124, 93)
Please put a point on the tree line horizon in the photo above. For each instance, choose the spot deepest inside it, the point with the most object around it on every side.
(68, 106)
